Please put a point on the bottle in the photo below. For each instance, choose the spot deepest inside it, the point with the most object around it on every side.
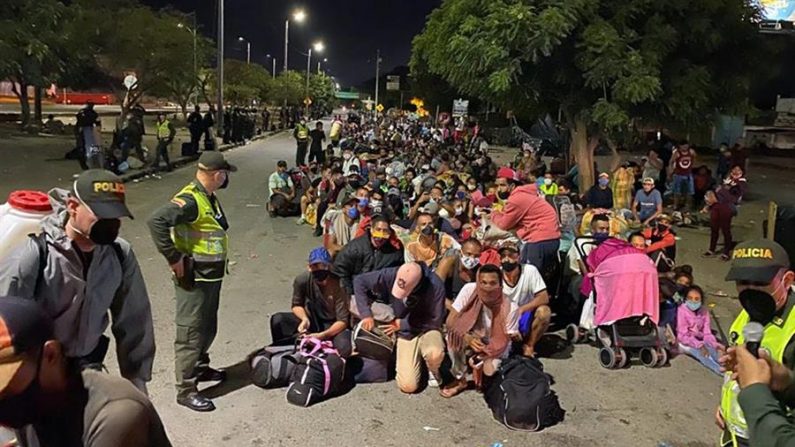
(20, 216)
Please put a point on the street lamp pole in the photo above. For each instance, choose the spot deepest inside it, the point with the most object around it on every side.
(274, 68)
(377, 68)
(248, 48)
(220, 65)
(308, 59)
(286, 39)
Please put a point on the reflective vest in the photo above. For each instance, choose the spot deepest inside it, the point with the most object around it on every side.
(336, 126)
(303, 132)
(204, 238)
(777, 336)
(163, 132)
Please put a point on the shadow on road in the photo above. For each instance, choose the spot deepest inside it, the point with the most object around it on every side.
(237, 377)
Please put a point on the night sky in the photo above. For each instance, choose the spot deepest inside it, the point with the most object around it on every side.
(352, 31)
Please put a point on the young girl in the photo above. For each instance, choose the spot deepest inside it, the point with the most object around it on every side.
(693, 330)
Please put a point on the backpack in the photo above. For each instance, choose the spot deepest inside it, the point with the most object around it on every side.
(318, 374)
(520, 396)
(374, 344)
(567, 213)
(272, 366)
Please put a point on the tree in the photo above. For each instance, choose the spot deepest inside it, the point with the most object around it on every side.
(183, 82)
(607, 65)
(288, 87)
(322, 91)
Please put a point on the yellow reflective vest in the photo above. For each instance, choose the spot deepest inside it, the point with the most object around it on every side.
(777, 336)
(302, 132)
(204, 238)
(163, 130)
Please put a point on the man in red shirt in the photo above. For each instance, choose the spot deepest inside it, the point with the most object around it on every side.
(682, 161)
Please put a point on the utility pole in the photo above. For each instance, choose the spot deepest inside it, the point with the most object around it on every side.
(286, 39)
(377, 71)
(308, 64)
(274, 68)
(220, 64)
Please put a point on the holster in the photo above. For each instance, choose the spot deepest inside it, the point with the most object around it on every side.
(188, 280)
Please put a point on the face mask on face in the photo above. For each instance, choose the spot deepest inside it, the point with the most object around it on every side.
(225, 184)
(509, 266)
(469, 262)
(444, 214)
(662, 227)
(503, 195)
(600, 237)
(603, 182)
(760, 305)
(472, 187)
(21, 410)
(104, 231)
(427, 230)
(547, 181)
(320, 275)
(459, 211)
(693, 305)
(353, 213)
(346, 156)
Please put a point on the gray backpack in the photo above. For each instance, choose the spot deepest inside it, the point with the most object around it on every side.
(272, 366)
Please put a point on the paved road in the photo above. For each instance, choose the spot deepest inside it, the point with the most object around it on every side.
(633, 407)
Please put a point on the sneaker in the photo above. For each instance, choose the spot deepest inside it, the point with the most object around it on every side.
(300, 221)
(433, 382)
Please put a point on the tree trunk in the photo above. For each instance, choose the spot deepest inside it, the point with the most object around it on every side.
(24, 104)
(582, 148)
(183, 105)
(37, 113)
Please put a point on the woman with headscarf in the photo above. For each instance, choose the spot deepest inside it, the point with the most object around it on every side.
(481, 323)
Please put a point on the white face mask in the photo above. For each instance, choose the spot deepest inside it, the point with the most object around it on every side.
(547, 181)
(443, 213)
(459, 211)
(469, 262)
(346, 156)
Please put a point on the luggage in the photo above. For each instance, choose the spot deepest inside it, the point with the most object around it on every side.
(272, 366)
(520, 397)
(318, 374)
(374, 344)
(188, 149)
(368, 370)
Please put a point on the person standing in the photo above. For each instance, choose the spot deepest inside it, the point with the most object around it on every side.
(190, 232)
(301, 135)
(196, 127)
(208, 124)
(165, 135)
(79, 270)
(266, 120)
(316, 148)
(86, 119)
(50, 401)
(682, 161)
(336, 132)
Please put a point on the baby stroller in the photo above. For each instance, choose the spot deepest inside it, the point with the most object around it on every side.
(626, 306)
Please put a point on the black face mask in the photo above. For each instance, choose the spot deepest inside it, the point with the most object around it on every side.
(105, 231)
(761, 306)
(503, 195)
(225, 183)
(600, 237)
(508, 267)
(21, 410)
(427, 230)
(320, 275)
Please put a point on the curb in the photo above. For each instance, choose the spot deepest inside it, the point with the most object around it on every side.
(184, 161)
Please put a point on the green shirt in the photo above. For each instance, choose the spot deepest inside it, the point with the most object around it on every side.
(767, 418)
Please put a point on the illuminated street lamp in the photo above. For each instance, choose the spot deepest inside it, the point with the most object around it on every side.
(299, 16)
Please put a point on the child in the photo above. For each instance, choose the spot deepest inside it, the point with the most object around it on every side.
(548, 187)
(638, 240)
(720, 220)
(694, 332)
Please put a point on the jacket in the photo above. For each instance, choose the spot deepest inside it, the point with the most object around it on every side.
(693, 328)
(533, 217)
(426, 315)
(768, 421)
(78, 303)
(359, 256)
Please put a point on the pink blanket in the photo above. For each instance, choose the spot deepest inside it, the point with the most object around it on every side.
(626, 286)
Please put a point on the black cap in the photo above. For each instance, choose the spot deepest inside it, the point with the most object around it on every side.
(24, 328)
(215, 161)
(757, 261)
(103, 193)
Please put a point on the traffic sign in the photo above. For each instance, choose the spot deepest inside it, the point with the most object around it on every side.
(393, 83)
(379, 108)
(129, 81)
(307, 101)
(460, 107)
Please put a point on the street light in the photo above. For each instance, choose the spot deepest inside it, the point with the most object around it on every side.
(318, 64)
(195, 64)
(299, 16)
(273, 60)
(248, 48)
(318, 47)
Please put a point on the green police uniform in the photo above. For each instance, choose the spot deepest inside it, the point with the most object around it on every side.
(301, 135)
(194, 224)
(757, 262)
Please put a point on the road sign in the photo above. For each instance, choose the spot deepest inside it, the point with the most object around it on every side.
(460, 107)
(393, 83)
(347, 95)
(307, 101)
(379, 108)
(129, 81)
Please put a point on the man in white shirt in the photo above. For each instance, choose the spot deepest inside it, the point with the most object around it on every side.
(524, 286)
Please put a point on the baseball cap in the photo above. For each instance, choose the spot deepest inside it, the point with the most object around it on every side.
(648, 180)
(23, 328)
(408, 276)
(508, 247)
(319, 255)
(506, 173)
(214, 161)
(431, 208)
(604, 174)
(757, 261)
(103, 193)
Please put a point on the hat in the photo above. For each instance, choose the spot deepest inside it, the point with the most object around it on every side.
(431, 208)
(103, 193)
(319, 255)
(604, 174)
(215, 161)
(23, 328)
(348, 198)
(393, 191)
(408, 276)
(648, 180)
(758, 261)
(664, 216)
(506, 173)
(508, 247)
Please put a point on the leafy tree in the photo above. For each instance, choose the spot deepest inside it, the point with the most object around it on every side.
(607, 65)
(322, 91)
(289, 88)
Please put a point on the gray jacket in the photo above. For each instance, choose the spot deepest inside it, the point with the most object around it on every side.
(79, 303)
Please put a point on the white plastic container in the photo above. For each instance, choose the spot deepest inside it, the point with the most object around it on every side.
(21, 216)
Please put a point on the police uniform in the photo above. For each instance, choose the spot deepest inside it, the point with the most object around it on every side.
(193, 225)
(165, 135)
(301, 134)
(757, 261)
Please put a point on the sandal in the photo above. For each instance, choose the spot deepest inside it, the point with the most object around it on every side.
(724, 257)
(455, 389)
(708, 254)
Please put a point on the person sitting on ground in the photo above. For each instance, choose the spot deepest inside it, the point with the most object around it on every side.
(376, 249)
(565, 188)
(525, 288)
(481, 324)
(458, 270)
(662, 245)
(309, 202)
(426, 244)
(53, 125)
(720, 220)
(51, 401)
(341, 225)
(319, 307)
(694, 333)
(648, 203)
(416, 296)
(600, 196)
(638, 240)
(548, 186)
(350, 160)
(281, 191)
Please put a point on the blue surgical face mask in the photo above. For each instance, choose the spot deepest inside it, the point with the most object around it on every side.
(601, 237)
(693, 305)
(603, 182)
(353, 212)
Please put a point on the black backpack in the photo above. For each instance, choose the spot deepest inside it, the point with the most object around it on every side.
(272, 366)
(520, 396)
(318, 374)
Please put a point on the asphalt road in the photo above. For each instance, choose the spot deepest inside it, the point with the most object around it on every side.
(631, 407)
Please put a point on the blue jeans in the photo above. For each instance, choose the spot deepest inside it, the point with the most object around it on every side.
(540, 254)
(710, 360)
(683, 184)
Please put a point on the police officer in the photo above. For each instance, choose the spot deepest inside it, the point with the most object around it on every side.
(165, 135)
(190, 232)
(761, 270)
(301, 135)
(78, 270)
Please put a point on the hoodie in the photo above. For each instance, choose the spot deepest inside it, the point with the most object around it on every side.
(79, 303)
(533, 218)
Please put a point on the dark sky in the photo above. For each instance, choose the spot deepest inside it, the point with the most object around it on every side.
(352, 31)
